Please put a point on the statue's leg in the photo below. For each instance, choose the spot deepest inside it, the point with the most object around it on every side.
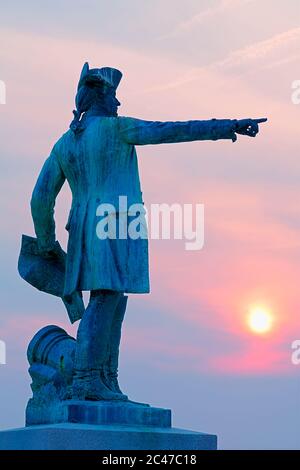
(92, 345)
(110, 370)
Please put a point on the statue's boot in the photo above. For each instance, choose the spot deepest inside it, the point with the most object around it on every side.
(87, 385)
(92, 345)
(110, 368)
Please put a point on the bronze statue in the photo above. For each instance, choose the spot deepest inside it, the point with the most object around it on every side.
(98, 159)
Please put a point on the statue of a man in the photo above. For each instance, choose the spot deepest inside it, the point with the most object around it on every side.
(97, 157)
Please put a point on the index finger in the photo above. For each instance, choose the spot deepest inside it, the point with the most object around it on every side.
(260, 120)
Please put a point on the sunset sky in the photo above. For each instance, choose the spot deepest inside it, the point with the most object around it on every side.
(188, 345)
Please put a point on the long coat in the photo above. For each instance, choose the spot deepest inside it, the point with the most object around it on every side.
(100, 164)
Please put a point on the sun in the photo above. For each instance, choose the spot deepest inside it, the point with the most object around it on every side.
(260, 320)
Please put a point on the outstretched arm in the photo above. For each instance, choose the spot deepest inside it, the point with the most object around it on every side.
(43, 198)
(140, 132)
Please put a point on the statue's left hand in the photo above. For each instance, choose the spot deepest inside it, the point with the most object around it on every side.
(248, 127)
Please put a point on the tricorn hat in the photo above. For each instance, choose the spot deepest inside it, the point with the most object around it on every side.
(106, 76)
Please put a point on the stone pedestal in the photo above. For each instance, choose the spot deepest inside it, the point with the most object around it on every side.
(72, 425)
(108, 437)
(97, 412)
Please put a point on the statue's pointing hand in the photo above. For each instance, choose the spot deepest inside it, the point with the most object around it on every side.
(247, 127)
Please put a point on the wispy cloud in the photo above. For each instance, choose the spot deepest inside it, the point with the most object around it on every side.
(223, 6)
(277, 49)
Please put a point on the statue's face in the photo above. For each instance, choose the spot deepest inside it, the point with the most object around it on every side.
(110, 104)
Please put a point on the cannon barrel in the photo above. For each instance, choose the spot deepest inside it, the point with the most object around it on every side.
(53, 347)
